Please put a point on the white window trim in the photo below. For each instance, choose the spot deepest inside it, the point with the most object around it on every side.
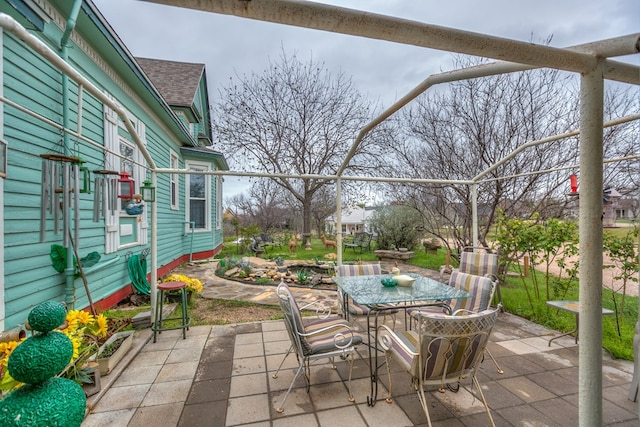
(191, 165)
(112, 142)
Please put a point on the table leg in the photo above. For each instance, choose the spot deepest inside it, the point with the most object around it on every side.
(373, 358)
(568, 333)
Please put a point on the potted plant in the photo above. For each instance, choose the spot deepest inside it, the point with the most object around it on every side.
(112, 351)
(192, 285)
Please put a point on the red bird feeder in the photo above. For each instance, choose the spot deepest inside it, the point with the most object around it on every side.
(574, 183)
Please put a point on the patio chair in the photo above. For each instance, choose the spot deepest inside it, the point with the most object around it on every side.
(481, 289)
(481, 264)
(353, 308)
(443, 350)
(321, 320)
(312, 342)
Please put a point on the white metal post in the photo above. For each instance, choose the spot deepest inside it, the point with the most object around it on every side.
(339, 220)
(474, 214)
(590, 269)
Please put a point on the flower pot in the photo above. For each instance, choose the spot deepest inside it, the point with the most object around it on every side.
(106, 364)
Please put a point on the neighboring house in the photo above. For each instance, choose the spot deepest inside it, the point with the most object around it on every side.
(126, 114)
(626, 208)
(354, 220)
(614, 207)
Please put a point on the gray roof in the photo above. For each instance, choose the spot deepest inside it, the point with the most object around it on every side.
(177, 82)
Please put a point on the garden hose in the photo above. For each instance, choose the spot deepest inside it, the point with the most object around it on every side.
(137, 268)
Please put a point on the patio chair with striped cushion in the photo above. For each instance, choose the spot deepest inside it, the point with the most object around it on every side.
(481, 289)
(327, 338)
(443, 350)
(481, 264)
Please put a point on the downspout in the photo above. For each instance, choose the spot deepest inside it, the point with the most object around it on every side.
(192, 226)
(69, 271)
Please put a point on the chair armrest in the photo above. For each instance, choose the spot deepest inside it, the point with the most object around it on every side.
(462, 312)
(343, 335)
(322, 312)
(388, 338)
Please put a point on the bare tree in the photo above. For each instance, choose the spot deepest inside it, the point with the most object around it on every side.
(263, 206)
(458, 133)
(462, 131)
(296, 119)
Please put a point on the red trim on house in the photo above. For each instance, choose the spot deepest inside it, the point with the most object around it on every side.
(127, 290)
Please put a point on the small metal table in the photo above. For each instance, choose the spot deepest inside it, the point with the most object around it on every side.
(572, 307)
(369, 291)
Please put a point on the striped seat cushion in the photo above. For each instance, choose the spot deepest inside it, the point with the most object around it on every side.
(480, 288)
(329, 340)
(478, 263)
(318, 324)
(346, 270)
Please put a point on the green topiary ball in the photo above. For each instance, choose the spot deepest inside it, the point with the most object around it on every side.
(40, 357)
(57, 402)
(47, 316)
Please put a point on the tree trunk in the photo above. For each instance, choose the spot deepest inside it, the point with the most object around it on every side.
(306, 222)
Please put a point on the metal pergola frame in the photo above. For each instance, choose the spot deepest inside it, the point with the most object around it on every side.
(590, 60)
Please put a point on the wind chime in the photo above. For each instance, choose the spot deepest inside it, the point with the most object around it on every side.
(60, 195)
(105, 194)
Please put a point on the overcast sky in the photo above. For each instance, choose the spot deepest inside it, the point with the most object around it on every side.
(383, 71)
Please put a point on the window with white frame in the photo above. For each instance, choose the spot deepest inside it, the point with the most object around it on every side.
(198, 196)
(121, 230)
(174, 164)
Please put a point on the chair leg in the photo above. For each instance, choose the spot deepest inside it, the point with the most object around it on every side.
(495, 362)
(280, 409)
(423, 401)
(350, 362)
(158, 323)
(282, 362)
(388, 399)
(484, 401)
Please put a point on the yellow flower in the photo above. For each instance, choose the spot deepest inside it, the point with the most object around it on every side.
(5, 350)
(191, 284)
(101, 320)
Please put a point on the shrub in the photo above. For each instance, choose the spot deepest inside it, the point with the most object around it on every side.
(396, 227)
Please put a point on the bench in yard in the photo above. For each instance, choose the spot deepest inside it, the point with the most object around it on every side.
(386, 255)
(267, 241)
(360, 240)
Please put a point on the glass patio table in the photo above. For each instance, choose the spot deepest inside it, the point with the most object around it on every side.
(369, 291)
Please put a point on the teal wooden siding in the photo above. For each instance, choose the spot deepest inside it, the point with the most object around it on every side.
(33, 83)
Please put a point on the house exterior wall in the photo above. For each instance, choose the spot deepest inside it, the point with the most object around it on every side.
(33, 83)
(354, 220)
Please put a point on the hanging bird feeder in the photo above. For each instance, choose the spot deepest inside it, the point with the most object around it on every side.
(574, 183)
(85, 177)
(148, 191)
(126, 186)
(573, 179)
